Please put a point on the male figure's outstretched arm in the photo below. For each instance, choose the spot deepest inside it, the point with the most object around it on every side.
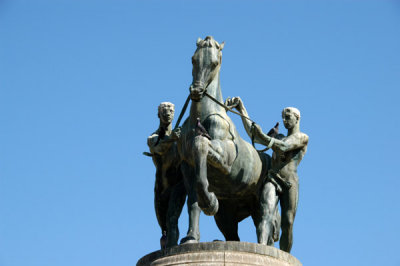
(237, 103)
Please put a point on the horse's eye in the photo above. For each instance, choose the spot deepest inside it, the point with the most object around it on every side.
(215, 63)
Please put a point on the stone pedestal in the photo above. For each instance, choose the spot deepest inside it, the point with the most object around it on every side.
(220, 253)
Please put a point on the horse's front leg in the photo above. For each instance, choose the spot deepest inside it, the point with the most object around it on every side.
(207, 200)
(220, 155)
(193, 234)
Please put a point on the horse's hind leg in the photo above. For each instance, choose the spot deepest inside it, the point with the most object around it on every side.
(265, 218)
(227, 222)
(193, 234)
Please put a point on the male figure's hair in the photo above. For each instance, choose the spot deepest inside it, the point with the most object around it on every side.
(165, 104)
(293, 110)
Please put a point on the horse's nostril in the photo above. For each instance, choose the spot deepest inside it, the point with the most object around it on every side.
(196, 90)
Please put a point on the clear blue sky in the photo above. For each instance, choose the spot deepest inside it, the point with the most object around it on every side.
(80, 82)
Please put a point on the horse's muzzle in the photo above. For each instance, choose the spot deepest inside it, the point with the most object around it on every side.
(196, 93)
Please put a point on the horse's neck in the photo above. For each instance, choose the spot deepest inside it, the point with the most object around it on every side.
(206, 106)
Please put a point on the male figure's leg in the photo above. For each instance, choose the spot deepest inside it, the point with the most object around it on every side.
(288, 201)
(175, 205)
(161, 206)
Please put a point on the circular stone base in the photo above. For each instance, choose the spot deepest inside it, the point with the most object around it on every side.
(220, 253)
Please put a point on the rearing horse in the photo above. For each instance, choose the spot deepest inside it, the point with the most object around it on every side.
(223, 174)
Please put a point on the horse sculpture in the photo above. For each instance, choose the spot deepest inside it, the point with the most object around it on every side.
(224, 175)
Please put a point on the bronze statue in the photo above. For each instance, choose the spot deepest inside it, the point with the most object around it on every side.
(223, 175)
(169, 190)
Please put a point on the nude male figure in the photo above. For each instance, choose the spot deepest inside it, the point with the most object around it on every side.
(169, 190)
(282, 182)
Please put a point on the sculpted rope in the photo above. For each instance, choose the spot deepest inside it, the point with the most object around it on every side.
(182, 112)
(252, 122)
(226, 108)
(271, 143)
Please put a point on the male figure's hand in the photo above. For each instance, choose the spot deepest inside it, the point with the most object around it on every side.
(176, 133)
(234, 102)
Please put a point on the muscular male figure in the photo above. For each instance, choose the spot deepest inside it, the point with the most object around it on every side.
(282, 182)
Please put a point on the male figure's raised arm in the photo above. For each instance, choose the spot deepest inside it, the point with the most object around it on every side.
(237, 103)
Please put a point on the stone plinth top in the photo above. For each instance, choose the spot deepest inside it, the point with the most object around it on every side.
(220, 253)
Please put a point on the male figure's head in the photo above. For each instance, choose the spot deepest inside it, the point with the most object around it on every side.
(291, 117)
(166, 112)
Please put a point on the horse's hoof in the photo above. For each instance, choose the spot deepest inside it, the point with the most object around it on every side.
(213, 208)
(188, 240)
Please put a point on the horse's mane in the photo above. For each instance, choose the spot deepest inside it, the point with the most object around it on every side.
(208, 42)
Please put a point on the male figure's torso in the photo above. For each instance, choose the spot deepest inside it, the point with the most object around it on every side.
(285, 163)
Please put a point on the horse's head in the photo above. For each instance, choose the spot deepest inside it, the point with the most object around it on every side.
(206, 64)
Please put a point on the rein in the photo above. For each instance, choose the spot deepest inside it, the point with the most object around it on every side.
(223, 106)
(241, 115)
(182, 112)
(226, 108)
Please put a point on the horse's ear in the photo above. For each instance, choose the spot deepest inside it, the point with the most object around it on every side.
(221, 46)
(198, 41)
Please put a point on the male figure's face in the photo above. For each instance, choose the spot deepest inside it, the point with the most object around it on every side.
(166, 114)
(289, 119)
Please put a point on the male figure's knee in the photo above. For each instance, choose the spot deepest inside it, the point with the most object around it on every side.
(287, 220)
(173, 216)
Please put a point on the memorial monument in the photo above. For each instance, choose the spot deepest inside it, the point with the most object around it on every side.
(223, 175)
